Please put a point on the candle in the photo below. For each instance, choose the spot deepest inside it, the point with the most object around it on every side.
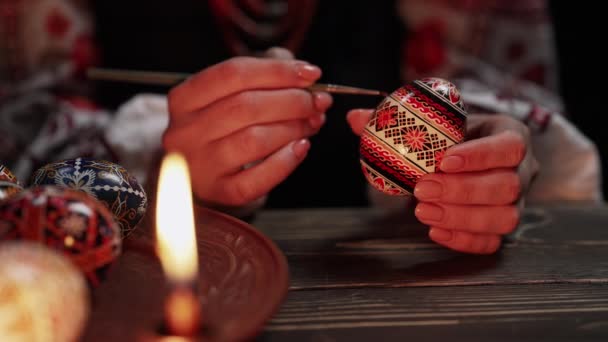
(176, 246)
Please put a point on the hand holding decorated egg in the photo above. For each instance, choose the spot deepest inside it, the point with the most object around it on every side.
(471, 199)
(409, 132)
(478, 196)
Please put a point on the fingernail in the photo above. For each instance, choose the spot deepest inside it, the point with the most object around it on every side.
(452, 163)
(429, 212)
(316, 121)
(307, 71)
(322, 101)
(428, 190)
(438, 234)
(300, 148)
(279, 53)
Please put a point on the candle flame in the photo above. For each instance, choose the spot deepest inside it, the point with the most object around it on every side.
(182, 312)
(175, 232)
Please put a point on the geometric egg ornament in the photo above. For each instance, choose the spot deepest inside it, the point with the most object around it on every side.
(9, 185)
(108, 182)
(68, 221)
(43, 296)
(409, 132)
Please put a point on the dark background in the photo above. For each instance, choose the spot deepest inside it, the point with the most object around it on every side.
(579, 29)
(356, 43)
(183, 37)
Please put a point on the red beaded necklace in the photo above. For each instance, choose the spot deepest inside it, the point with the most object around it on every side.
(251, 26)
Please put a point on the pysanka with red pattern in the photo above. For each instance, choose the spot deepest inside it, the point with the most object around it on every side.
(409, 132)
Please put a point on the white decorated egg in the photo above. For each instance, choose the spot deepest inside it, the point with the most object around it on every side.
(43, 296)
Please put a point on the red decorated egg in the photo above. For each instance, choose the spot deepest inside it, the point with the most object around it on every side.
(409, 132)
(9, 185)
(66, 220)
(43, 296)
(108, 182)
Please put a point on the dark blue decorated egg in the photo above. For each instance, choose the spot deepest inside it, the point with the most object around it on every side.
(9, 185)
(108, 182)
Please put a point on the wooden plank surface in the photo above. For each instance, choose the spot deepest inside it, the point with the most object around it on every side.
(357, 275)
(301, 230)
(363, 248)
(547, 312)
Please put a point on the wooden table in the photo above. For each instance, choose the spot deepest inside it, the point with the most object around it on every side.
(357, 275)
(360, 275)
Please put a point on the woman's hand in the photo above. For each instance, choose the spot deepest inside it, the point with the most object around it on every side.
(477, 196)
(244, 124)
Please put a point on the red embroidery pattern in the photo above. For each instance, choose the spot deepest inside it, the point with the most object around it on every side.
(379, 182)
(445, 89)
(415, 138)
(57, 24)
(386, 116)
(66, 220)
(383, 160)
(402, 94)
(425, 50)
(438, 158)
(408, 134)
(448, 123)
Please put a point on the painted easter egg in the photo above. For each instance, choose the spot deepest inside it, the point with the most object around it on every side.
(43, 296)
(106, 181)
(409, 132)
(66, 220)
(9, 185)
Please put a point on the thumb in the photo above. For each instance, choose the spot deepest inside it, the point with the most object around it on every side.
(358, 118)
